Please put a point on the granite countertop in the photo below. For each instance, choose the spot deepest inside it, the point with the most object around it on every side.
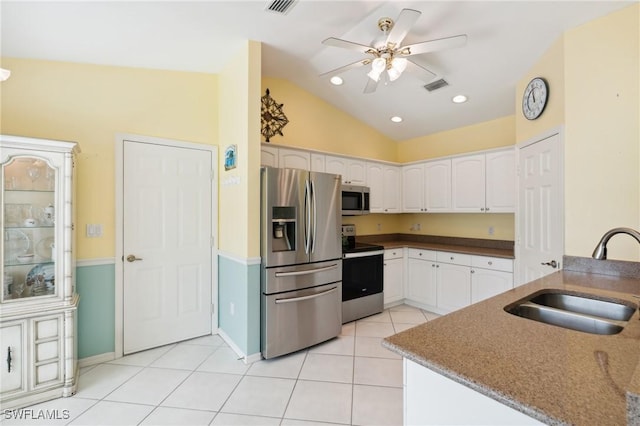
(495, 248)
(555, 375)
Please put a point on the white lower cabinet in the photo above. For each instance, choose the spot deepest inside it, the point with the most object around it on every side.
(393, 275)
(432, 399)
(443, 282)
(490, 276)
(14, 342)
(421, 278)
(39, 362)
(454, 286)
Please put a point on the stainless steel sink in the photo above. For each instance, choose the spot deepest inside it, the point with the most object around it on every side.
(584, 305)
(575, 312)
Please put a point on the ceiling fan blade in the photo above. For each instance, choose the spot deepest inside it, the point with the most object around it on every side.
(434, 45)
(401, 27)
(347, 67)
(371, 86)
(344, 44)
(420, 71)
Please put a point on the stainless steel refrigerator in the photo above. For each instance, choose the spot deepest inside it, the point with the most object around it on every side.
(301, 251)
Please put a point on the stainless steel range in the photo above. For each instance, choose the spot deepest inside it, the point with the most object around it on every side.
(362, 277)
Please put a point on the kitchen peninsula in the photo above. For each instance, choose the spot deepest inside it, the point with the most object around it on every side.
(536, 371)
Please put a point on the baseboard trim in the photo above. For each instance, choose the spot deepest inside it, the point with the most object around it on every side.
(96, 359)
(247, 359)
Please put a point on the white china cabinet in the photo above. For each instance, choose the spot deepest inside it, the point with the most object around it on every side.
(38, 303)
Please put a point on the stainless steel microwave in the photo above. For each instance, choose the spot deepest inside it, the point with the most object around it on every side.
(355, 200)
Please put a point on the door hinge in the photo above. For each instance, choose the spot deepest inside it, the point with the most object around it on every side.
(212, 241)
(213, 174)
(213, 309)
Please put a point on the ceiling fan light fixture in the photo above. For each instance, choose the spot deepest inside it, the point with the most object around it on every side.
(393, 74)
(377, 67)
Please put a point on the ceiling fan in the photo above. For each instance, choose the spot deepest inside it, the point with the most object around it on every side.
(388, 54)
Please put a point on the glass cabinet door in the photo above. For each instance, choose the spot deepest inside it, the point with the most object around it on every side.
(28, 226)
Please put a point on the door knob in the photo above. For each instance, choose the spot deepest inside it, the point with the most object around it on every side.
(132, 258)
(552, 263)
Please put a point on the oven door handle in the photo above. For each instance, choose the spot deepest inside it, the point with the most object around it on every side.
(312, 296)
(362, 254)
(306, 271)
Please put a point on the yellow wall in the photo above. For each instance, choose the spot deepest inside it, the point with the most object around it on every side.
(551, 68)
(89, 104)
(489, 134)
(594, 75)
(315, 124)
(602, 146)
(239, 195)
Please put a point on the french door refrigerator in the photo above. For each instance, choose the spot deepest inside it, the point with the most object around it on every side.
(301, 251)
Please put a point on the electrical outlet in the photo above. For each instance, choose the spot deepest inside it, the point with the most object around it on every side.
(232, 309)
(417, 226)
(379, 227)
(491, 230)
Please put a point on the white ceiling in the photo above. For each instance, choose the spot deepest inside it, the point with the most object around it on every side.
(505, 38)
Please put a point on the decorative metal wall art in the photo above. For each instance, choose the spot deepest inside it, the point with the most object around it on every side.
(273, 118)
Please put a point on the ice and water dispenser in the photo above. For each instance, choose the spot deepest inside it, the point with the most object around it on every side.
(283, 228)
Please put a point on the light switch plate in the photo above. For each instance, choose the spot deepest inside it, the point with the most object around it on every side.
(94, 230)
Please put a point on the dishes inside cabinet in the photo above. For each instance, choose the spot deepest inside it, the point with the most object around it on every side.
(44, 246)
(41, 279)
(15, 214)
(16, 243)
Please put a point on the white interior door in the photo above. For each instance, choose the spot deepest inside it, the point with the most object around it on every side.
(540, 209)
(167, 244)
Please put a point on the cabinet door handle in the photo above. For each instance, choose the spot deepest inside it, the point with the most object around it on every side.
(8, 359)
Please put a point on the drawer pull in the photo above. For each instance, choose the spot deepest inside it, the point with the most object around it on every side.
(8, 359)
(490, 263)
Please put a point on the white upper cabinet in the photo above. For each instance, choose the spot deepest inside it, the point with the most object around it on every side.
(437, 186)
(501, 182)
(413, 188)
(484, 182)
(468, 183)
(385, 186)
(269, 156)
(353, 171)
(317, 162)
(294, 159)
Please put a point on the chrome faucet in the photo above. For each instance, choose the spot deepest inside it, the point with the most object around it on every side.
(600, 253)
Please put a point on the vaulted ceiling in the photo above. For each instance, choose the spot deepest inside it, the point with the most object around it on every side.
(505, 38)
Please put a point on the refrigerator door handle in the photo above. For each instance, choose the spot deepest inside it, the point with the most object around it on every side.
(315, 218)
(307, 212)
(306, 271)
(300, 299)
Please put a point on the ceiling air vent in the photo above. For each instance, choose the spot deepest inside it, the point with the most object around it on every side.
(435, 85)
(280, 6)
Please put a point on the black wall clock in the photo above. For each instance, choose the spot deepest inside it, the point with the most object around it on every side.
(535, 98)
(273, 118)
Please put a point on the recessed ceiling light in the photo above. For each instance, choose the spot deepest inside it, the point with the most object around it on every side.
(459, 99)
(336, 81)
(396, 119)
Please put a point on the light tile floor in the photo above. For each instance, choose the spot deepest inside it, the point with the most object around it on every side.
(349, 380)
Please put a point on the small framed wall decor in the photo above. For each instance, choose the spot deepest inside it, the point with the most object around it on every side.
(230, 157)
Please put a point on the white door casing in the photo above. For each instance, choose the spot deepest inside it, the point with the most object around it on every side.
(540, 213)
(166, 216)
